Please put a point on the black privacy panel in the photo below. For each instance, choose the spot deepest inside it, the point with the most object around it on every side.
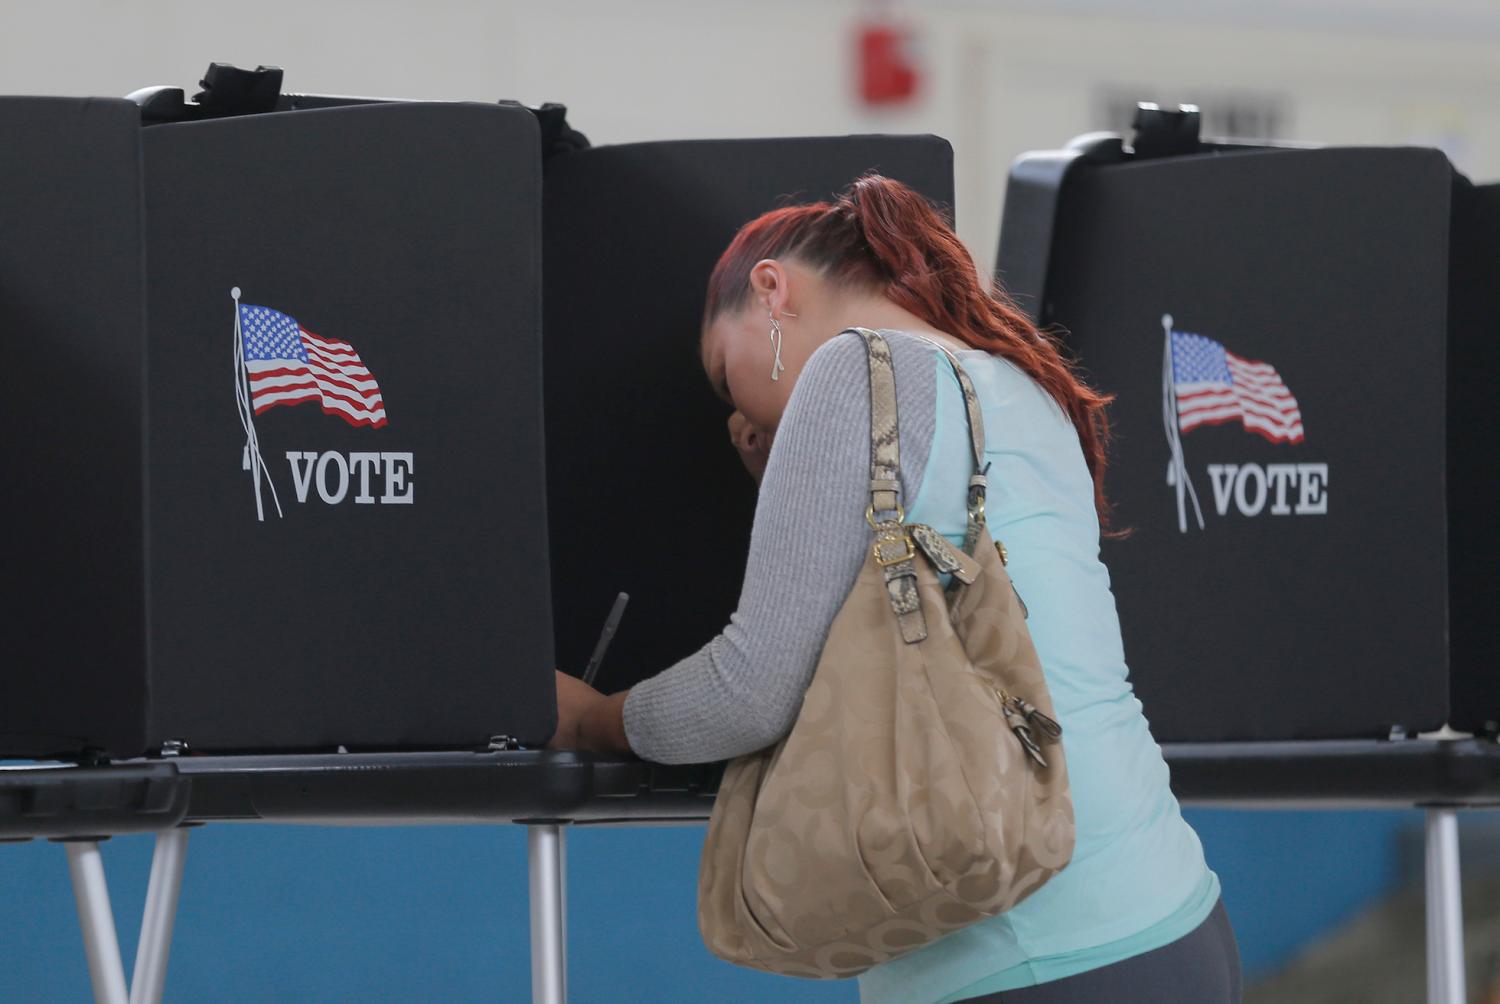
(72, 612)
(1473, 481)
(1273, 324)
(381, 580)
(646, 493)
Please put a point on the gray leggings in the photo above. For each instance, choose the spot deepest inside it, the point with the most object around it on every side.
(1201, 967)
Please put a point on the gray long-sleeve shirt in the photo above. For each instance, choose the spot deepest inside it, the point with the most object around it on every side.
(741, 692)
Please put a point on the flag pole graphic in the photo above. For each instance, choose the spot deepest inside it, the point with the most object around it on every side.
(250, 458)
(1177, 474)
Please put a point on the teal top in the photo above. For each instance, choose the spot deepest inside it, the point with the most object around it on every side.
(1137, 879)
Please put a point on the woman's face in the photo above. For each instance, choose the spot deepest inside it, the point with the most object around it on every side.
(739, 349)
(738, 356)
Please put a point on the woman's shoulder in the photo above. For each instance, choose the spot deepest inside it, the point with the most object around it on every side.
(841, 352)
(843, 361)
(837, 377)
(999, 375)
(845, 353)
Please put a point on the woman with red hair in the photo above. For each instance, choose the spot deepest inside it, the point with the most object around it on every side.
(1135, 916)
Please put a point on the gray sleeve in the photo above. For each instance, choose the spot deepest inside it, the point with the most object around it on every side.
(742, 691)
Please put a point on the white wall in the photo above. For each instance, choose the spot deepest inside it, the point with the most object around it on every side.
(1002, 77)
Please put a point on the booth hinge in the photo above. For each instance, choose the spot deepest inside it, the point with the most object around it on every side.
(174, 747)
(504, 743)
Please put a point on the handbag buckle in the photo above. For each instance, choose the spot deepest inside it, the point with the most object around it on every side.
(889, 537)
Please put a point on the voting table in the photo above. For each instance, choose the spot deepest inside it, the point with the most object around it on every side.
(544, 790)
(549, 791)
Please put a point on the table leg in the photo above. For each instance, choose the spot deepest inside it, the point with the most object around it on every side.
(1445, 920)
(100, 945)
(562, 903)
(149, 977)
(548, 936)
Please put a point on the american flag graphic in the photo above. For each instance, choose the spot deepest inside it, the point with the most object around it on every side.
(1213, 385)
(287, 364)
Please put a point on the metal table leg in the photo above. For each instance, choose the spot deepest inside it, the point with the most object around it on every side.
(149, 977)
(562, 904)
(100, 944)
(1445, 920)
(544, 851)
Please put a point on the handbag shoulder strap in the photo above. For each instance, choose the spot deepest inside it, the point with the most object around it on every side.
(885, 451)
(978, 483)
(893, 548)
(885, 457)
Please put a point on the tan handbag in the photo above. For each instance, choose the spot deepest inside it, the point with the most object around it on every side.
(913, 795)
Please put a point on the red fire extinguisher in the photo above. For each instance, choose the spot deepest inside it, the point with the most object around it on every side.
(888, 73)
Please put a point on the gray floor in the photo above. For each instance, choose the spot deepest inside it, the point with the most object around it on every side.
(1379, 957)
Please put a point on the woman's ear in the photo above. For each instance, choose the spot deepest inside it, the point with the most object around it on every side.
(770, 285)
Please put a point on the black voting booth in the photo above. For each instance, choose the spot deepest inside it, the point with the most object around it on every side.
(291, 198)
(645, 493)
(1321, 571)
(395, 606)
(355, 552)
(1297, 341)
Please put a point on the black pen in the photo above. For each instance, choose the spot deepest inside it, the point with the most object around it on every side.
(602, 645)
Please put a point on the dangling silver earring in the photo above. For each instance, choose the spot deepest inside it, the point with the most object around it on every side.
(776, 366)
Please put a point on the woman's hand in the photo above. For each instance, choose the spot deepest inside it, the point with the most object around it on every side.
(574, 699)
(587, 719)
(753, 445)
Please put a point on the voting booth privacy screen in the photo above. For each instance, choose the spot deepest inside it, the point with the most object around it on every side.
(278, 449)
(1300, 342)
(273, 429)
(646, 493)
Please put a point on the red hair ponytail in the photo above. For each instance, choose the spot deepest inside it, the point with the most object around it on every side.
(882, 235)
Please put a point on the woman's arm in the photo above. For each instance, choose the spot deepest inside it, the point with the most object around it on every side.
(742, 691)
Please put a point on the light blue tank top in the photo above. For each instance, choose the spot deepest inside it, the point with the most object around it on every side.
(1137, 879)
